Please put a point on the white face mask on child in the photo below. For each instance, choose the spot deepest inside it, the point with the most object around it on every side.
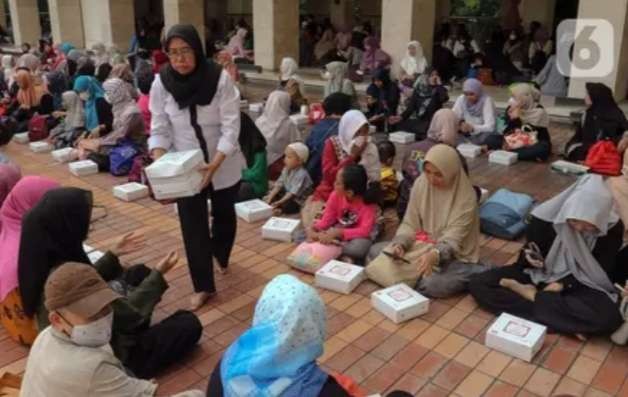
(94, 334)
(84, 96)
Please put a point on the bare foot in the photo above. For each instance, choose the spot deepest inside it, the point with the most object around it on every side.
(554, 287)
(525, 290)
(199, 299)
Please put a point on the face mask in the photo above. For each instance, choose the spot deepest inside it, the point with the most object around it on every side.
(326, 75)
(95, 334)
(359, 141)
(84, 96)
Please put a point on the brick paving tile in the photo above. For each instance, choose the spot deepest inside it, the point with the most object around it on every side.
(542, 382)
(472, 354)
(431, 390)
(571, 387)
(474, 385)
(609, 378)
(345, 358)
(429, 365)
(559, 360)
(371, 339)
(584, 369)
(451, 375)
(494, 363)
(501, 389)
(364, 367)
(409, 383)
(517, 372)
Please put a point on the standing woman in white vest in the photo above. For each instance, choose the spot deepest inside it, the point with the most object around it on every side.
(195, 104)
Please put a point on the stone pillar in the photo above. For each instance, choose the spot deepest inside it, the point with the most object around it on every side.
(111, 22)
(185, 11)
(276, 27)
(404, 21)
(615, 12)
(538, 10)
(443, 9)
(66, 22)
(341, 14)
(25, 21)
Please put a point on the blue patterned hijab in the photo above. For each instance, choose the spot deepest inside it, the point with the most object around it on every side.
(277, 356)
(90, 84)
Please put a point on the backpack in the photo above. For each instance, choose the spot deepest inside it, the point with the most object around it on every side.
(121, 158)
(38, 128)
(504, 213)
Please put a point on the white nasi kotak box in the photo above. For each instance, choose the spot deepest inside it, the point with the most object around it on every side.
(469, 150)
(130, 191)
(340, 277)
(515, 336)
(253, 210)
(176, 174)
(22, 138)
(83, 168)
(280, 229)
(299, 119)
(256, 107)
(40, 147)
(402, 137)
(503, 157)
(65, 155)
(567, 167)
(484, 195)
(95, 255)
(400, 303)
(244, 104)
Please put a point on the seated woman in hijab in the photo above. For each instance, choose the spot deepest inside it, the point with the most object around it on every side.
(413, 64)
(53, 233)
(336, 74)
(350, 146)
(292, 83)
(527, 129)
(123, 72)
(254, 182)
(382, 99)
(374, 58)
(335, 106)
(325, 44)
(278, 129)
(236, 47)
(551, 80)
(30, 62)
(31, 98)
(476, 111)
(561, 278)
(98, 114)
(24, 196)
(429, 95)
(128, 123)
(437, 246)
(603, 119)
(72, 123)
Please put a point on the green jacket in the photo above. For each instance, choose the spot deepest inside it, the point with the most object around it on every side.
(257, 174)
(132, 314)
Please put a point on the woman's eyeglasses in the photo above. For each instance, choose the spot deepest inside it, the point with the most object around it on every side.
(185, 52)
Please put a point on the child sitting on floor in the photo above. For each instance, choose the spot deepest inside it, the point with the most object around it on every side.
(350, 215)
(389, 182)
(294, 184)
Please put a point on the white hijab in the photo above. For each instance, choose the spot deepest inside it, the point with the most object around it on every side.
(7, 66)
(275, 124)
(288, 69)
(414, 64)
(589, 200)
(349, 126)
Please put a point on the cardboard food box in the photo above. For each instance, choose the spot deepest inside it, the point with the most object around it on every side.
(83, 168)
(469, 150)
(256, 107)
(567, 167)
(299, 119)
(175, 164)
(130, 191)
(182, 186)
(65, 155)
(280, 229)
(503, 157)
(40, 147)
(515, 336)
(400, 303)
(340, 277)
(95, 256)
(253, 210)
(21, 137)
(402, 137)
(88, 248)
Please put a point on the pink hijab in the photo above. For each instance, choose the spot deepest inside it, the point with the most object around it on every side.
(236, 44)
(9, 175)
(24, 196)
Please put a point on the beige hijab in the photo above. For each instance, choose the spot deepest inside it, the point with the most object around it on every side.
(528, 97)
(444, 127)
(448, 215)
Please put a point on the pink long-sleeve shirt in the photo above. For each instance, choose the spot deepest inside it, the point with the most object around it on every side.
(338, 209)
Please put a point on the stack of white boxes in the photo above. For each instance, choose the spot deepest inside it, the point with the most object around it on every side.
(253, 210)
(515, 336)
(400, 303)
(65, 155)
(83, 168)
(340, 277)
(567, 167)
(469, 150)
(503, 157)
(22, 138)
(256, 107)
(176, 175)
(402, 137)
(130, 191)
(40, 147)
(280, 229)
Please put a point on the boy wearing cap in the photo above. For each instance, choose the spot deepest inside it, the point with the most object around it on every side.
(72, 357)
(294, 184)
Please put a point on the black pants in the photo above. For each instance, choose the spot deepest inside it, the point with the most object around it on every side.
(201, 246)
(164, 344)
(290, 207)
(578, 309)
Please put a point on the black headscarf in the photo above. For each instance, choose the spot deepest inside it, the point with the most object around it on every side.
(337, 103)
(85, 66)
(604, 118)
(52, 234)
(198, 87)
(251, 139)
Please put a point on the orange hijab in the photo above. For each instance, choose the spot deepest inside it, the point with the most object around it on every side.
(29, 94)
